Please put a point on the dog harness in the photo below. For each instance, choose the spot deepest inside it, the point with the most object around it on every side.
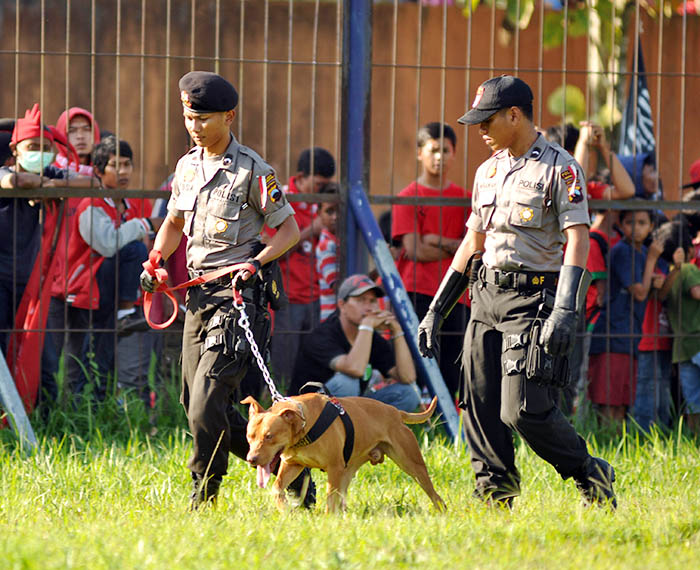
(330, 412)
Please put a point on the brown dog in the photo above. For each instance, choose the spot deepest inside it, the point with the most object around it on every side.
(378, 430)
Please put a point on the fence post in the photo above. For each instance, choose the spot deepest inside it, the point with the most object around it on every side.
(357, 63)
(355, 117)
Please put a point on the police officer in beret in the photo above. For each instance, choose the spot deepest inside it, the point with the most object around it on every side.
(528, 201)
(222, 194)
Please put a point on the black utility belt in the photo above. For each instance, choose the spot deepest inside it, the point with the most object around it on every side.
(223, 280)
(520, 280)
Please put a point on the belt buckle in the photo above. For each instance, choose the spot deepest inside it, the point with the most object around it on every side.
(506, 280)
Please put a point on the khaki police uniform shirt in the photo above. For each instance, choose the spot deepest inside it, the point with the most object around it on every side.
(225, 203)
(523, 205)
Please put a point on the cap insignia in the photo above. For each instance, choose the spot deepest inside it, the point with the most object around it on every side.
(185, 98)
(477, 98)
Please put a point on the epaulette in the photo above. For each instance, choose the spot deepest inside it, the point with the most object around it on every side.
(260, 162)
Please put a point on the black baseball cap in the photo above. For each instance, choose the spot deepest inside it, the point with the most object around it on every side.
(495, 94)
(206, 92)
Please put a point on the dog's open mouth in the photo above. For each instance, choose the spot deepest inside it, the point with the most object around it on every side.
(264, 471)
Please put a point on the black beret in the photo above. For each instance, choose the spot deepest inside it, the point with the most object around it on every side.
(207, 92)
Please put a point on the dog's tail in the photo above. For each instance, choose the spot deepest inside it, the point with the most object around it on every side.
(420, 417)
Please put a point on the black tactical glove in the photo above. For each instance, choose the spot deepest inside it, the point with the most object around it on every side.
(254, 270)
(427, 334)
(559, 329)
(451, 289)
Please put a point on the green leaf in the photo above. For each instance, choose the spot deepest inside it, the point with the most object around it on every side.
(578, 22)
(552, 30)
(465, 11)
(569, 103)
(608, 116)
(520, 13)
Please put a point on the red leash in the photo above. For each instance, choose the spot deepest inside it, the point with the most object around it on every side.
(154, 269)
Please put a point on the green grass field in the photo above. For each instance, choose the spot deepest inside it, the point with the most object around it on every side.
(107, 495)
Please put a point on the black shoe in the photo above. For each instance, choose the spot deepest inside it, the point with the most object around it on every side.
(133, 322)
(297, 486)
(204, 492)
(596, 483)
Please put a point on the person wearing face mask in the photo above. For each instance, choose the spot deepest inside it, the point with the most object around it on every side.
(23, 165)
(27, 153)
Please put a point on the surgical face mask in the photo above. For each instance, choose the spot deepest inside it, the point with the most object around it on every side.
(34, 160)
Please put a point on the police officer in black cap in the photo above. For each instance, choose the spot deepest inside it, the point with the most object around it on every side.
(528, 200)
(222, 194)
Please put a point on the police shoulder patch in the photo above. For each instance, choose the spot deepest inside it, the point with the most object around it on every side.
(575, 194)
(269, 190)
(568, 175)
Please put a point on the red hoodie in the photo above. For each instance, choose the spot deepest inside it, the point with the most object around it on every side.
(62, 126)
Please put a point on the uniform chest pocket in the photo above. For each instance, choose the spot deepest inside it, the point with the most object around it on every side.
(223, 220)
(527, 214)
(486, 206)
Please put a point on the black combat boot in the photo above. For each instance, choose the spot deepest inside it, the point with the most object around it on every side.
(296, 487)
(204, 492)
(595, 482)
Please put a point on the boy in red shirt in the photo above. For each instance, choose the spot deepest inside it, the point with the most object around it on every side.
(430, 236)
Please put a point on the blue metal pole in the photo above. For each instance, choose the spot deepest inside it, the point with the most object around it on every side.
(391, 280)
(357, 58)
(357, 61)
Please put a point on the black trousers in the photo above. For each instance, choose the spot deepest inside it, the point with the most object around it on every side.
(215, 358)
(498, 398)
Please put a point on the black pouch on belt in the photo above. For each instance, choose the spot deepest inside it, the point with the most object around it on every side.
(273, 286)
(542, 368)
(235, 343)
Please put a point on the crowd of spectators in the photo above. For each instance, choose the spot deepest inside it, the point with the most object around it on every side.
(637, 338)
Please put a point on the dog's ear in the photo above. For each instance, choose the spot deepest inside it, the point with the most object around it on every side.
(255, 408)
(294, 418)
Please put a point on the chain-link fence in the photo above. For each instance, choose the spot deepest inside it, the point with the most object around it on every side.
(628, 67)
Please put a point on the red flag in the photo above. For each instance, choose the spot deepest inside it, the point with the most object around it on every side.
(26, 344)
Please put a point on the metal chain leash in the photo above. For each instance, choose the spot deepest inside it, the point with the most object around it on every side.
(244, 322)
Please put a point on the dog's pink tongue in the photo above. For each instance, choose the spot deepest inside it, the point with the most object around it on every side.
(263, 475)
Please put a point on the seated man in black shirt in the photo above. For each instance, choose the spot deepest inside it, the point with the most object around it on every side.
(347, 354)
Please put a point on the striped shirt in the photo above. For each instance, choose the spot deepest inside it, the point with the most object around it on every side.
(327, 269)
